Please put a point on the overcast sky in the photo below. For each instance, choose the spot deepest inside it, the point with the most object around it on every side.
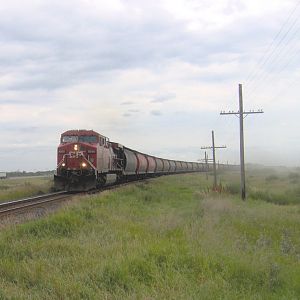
(152, 76)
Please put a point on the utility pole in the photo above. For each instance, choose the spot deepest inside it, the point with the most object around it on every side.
(213, 147)
(206, 164)
(241, 114)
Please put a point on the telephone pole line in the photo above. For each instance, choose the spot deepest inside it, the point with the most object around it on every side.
(213, 147)
(241, 114)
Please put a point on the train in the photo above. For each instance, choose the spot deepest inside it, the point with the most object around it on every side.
(87, 160)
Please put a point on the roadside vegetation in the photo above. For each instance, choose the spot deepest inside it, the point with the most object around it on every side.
(166, 238)
(18, 188)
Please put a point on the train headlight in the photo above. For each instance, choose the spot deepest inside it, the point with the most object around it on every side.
(83, 164)
(63, 164)
(75, 147)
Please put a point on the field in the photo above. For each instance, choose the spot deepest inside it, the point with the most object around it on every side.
(22, 187)
(166, 238)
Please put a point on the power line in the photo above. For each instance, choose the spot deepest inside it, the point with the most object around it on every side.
(265, 76)
(276, 47)
(266, 56)
(275, 74)
(275, 37)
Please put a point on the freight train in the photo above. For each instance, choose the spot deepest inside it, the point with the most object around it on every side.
(87, 160)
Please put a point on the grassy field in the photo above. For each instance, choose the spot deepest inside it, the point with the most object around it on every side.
(276, 185)
(167, 238)
(22, 187)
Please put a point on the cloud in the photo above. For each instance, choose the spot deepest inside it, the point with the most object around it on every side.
(90, 64)
(55, 52)
(127, 103)
(156, 113)
(163, 98)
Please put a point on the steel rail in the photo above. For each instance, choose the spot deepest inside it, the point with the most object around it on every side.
(13, 206)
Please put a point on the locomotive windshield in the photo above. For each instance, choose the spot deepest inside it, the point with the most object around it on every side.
(88, 139)
(69, 139)
(80, 139)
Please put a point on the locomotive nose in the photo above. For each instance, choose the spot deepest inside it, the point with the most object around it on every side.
(77, 156)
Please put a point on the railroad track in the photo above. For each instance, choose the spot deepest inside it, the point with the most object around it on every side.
(7, 208)
(19, 206)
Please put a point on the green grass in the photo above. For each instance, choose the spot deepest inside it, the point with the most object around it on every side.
(18, 188)
(168, 238)
(270, 184)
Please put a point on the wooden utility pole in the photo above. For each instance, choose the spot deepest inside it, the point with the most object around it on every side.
(213, 147)
(206, 164)
(241, 114)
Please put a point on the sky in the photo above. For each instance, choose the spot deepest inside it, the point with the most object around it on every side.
(151, 75)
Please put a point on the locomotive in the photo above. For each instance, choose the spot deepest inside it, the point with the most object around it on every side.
(87, 160)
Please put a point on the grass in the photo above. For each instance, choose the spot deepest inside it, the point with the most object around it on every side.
(270, 184)
(22, 187)
(168, 238)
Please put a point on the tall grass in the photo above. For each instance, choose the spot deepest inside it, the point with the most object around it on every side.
(17, 188)
(290, 196)
(267, 185)
(165, 239)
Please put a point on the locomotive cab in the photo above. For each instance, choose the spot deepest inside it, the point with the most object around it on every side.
(84, 160)
(76, 161)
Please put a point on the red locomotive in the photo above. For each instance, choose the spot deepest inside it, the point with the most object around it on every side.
(87, 160)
